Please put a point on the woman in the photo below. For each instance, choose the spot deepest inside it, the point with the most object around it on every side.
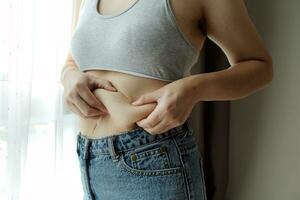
(127, 76)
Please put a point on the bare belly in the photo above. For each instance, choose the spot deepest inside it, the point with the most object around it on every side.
(122, 115)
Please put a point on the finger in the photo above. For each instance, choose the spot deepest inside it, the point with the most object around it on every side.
(102, 83)
(147, 98)
(84, 108)
(160, 127)
(86, 94)
(152, 119)
(75, 110)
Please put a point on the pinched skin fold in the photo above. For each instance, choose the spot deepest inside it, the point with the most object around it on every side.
(122, 115)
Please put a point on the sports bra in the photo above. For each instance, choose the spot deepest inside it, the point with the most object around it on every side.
(143, 40)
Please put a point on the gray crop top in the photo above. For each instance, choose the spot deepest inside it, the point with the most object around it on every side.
(142, 40)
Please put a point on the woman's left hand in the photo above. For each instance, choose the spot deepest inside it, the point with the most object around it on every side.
(175, 102)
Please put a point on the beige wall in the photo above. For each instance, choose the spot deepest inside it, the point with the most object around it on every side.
(265, 127)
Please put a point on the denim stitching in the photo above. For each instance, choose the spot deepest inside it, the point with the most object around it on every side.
(170, 171)
(183, 168)
(130, 149)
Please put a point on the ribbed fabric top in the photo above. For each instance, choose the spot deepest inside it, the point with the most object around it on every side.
(143, 40)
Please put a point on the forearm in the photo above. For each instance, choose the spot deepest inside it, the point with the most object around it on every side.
(67, 68)
(235, 82)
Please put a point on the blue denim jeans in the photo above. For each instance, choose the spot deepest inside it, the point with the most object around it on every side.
(136, 165)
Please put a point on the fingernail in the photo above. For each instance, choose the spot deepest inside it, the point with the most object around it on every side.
(104, 111)
(134, 103)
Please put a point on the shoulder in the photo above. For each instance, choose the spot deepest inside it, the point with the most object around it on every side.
(213, 11)
(228, 24)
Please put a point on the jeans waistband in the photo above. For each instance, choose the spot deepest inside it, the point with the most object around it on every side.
(124, 141)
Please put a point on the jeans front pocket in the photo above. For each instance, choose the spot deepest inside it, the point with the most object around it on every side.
(156, 158)
(152, 159)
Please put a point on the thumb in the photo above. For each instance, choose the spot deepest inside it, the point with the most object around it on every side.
(105, 84)
(147, 98)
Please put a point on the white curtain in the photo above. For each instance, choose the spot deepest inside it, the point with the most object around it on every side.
(37, 133)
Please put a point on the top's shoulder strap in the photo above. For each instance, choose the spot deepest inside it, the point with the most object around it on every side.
(77, 8)
(81, 5)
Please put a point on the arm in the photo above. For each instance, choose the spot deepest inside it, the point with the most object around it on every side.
(230, 27)
(70, 64)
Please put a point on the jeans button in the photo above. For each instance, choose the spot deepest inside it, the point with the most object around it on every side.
(133, 157)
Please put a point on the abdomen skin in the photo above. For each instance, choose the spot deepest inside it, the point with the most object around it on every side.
(122, 115)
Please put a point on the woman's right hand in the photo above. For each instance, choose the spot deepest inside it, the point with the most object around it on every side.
(78, 95)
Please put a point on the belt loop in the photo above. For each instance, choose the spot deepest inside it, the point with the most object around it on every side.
(111, 148)
(185, 125)
(86, 148)
(77, 144)
(189, 127)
